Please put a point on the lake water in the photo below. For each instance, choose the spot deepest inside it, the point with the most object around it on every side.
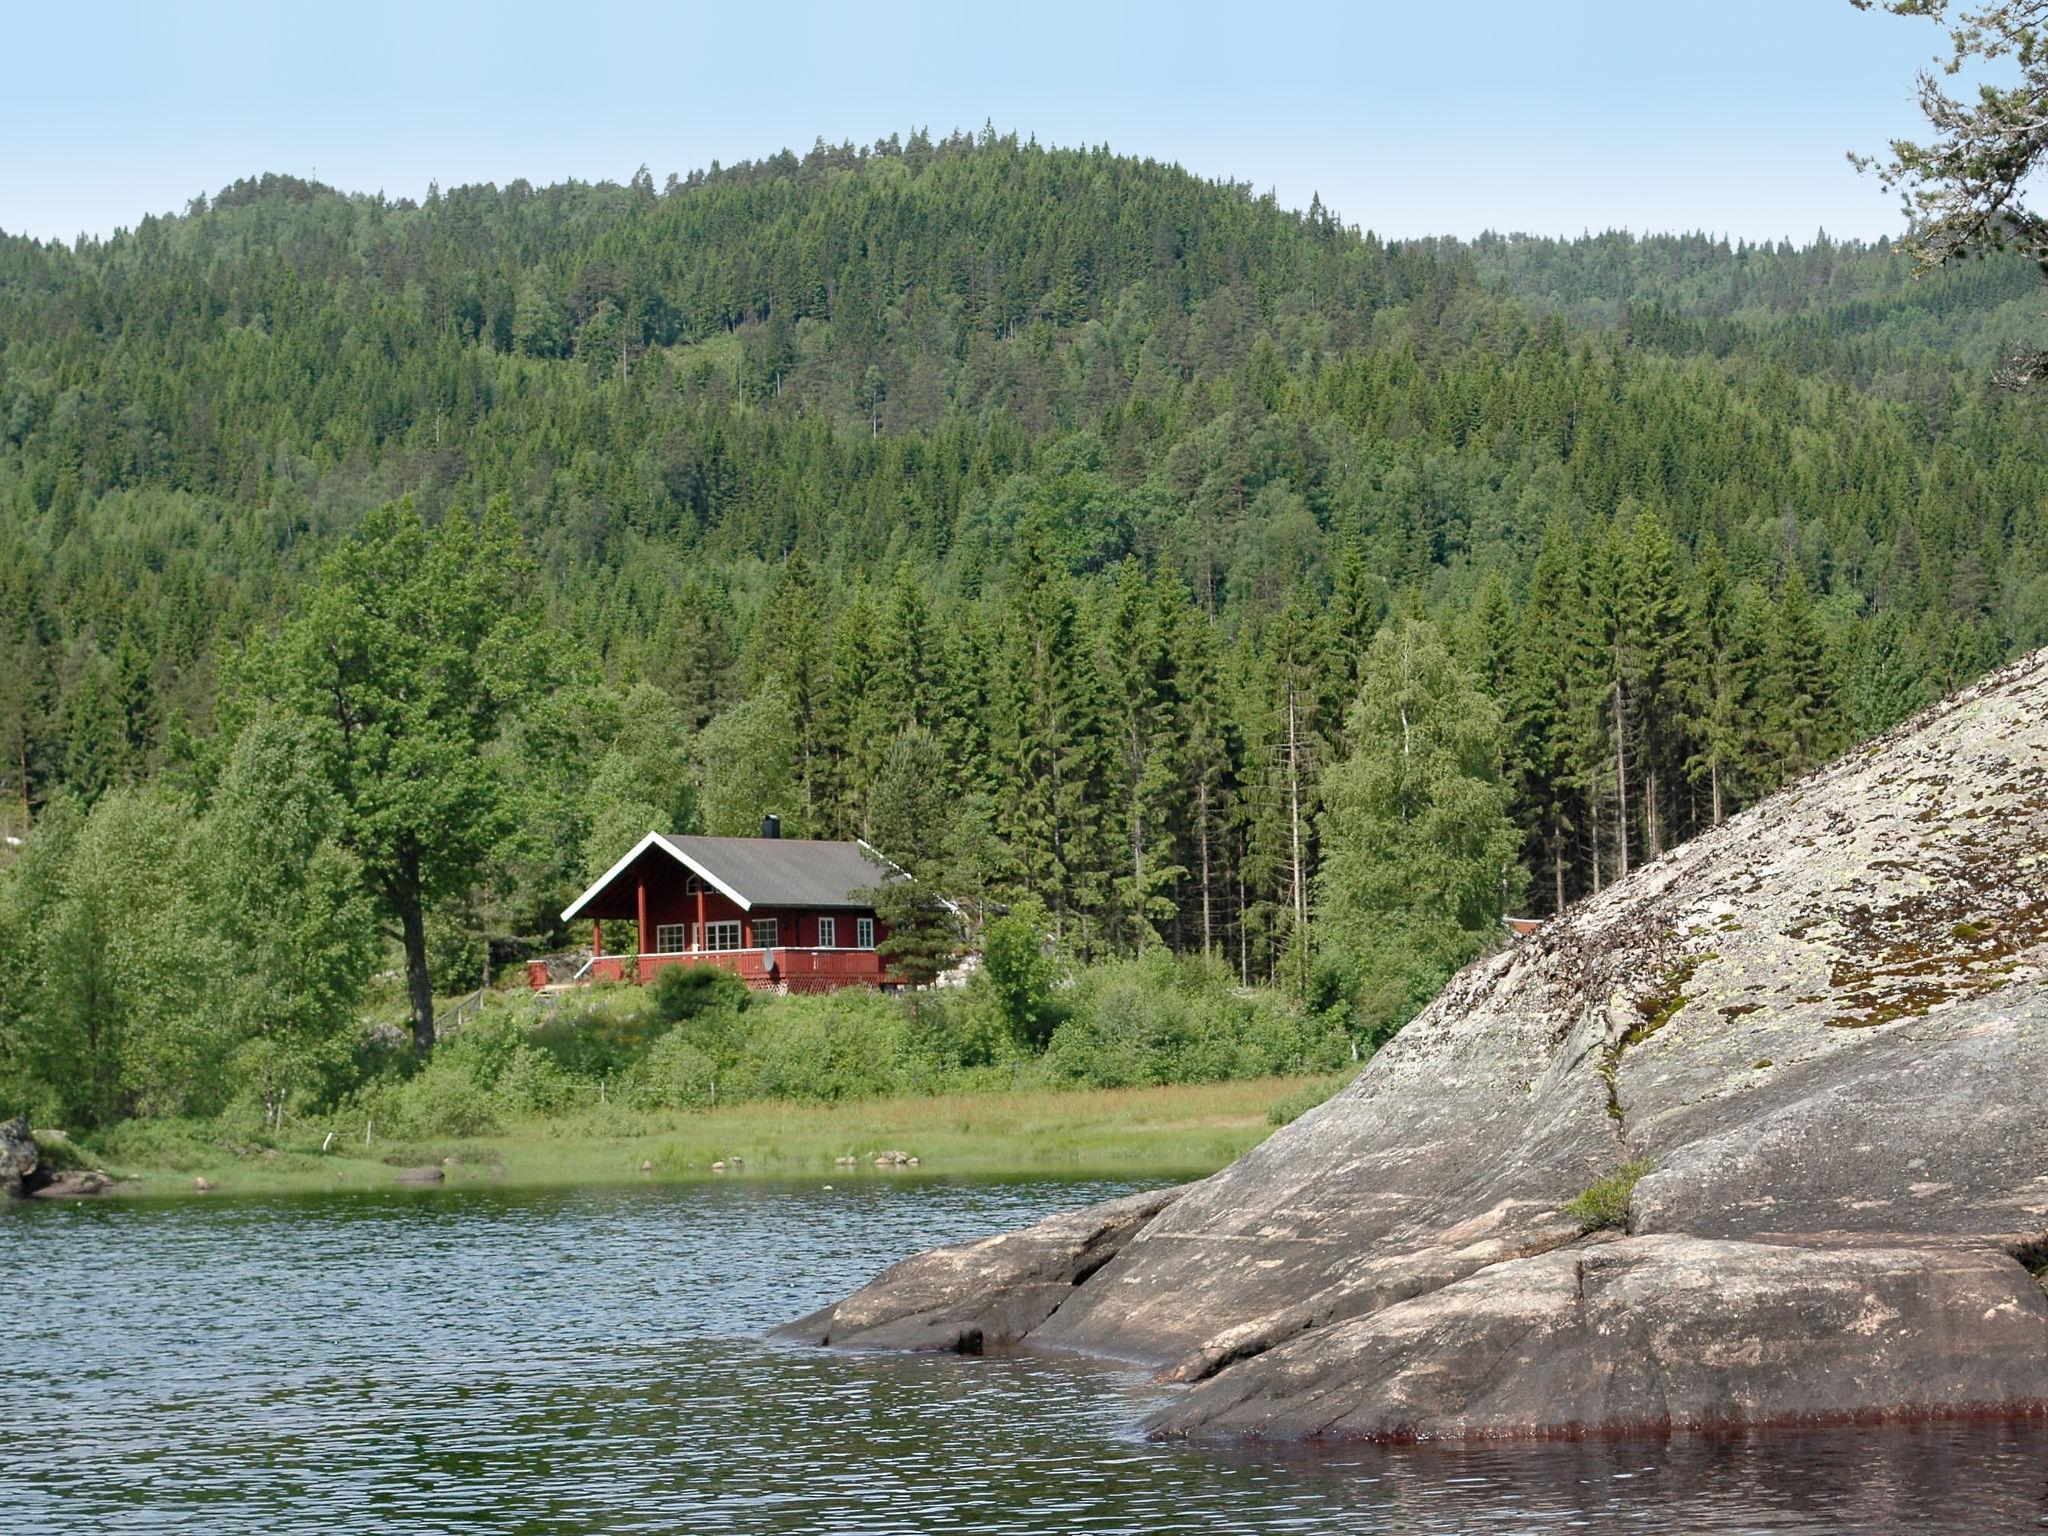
(497, 1361)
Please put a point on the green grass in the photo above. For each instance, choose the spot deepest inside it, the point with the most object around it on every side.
(1189, 1130)
(1604, 1202)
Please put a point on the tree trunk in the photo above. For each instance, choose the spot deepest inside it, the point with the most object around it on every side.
(1621, 779)
(1298, 893)
(1202, 841)
(419, 986)
(1593, 824)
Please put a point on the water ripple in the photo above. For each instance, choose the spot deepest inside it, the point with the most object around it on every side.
(591, 1361)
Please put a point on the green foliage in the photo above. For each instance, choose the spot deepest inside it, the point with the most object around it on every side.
(1053, 571)
(642, 783)
(1019, 971)
(675, 1074)
(1420, 855)
(1167, 1019)
(746, 766)
(1290, 1109)
(1604, 1203)
(682, 993)
(845, 1045)
(408, 657)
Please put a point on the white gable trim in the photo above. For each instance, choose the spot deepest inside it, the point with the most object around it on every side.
(890, 866)
(656, 840)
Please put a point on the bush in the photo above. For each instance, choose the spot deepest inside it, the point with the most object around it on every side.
(443, 1098)
(1290, 1109)
(601, 1039)
(952, 1031)
(1604, 1202)
(1162, 1019)
(532, 1083)
(847, 1045)
(674, 1074)
(684, 992)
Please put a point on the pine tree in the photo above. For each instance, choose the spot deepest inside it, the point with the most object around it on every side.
(1802, 692)
(1051, 745)
(1145, 720)
(1554, 709)
(1667, 662)
(1211, 760)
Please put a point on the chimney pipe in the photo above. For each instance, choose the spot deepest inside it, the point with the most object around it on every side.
(771, 826)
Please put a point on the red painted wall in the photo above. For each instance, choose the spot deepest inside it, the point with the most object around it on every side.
(669, 900)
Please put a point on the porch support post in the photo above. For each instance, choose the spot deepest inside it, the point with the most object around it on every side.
(700, 917)
(644, 935)
(596, 937)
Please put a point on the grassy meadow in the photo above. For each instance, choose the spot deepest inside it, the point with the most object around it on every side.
(1189, 1129)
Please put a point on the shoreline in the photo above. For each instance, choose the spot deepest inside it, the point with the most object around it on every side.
(1186, 1130)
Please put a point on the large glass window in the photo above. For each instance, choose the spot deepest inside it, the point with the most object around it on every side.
(864, 932)
(764, 932)
(828, 933)
(721, 935)
(671, 938)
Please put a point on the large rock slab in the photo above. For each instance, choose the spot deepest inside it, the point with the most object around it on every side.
(1825, 1028)
(986, 1294)
(1655, 1333)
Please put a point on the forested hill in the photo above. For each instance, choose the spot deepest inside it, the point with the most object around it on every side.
(1098, 476)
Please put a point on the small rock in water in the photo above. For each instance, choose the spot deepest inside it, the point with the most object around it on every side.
(201, 1185)
(18, 1157)
(910, 1162)
(75, 1185)
(719, 1166)
(426, 1175)
(893, 1159)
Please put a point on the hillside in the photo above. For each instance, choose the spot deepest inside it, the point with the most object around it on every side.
(1754, 1137)
(838, 439)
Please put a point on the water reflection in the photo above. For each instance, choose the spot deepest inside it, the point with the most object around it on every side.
(591, 1361)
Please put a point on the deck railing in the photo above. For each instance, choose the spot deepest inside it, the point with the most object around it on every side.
(799, 968)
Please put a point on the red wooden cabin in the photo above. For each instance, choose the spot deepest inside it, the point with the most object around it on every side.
(783, 914)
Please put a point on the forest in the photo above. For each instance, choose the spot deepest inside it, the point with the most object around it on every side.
(1168, 577)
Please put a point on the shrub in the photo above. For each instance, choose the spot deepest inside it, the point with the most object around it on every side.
(847, 1045)
(531, 1082)
(1018, 972)
(684, 992)
(674, 1074)
(1604, 1202)
(1162, 1019)
(601, 1039)
(443, 1098)
(1290, 1109)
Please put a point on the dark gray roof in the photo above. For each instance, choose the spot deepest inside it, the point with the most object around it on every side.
(783, 871)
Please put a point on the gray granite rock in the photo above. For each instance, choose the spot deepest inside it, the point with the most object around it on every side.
(1651, 1334)
(1825, 1028)
(985, 1294)
(19, 1157)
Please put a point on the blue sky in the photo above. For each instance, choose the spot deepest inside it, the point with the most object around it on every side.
(1415, 118)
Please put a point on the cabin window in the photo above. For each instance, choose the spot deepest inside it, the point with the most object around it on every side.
(864, 933)
(670, 938)
(721, 936)
(764, 932)
(828, 933)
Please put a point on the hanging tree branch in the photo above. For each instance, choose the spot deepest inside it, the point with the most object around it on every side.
(1963, 189)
